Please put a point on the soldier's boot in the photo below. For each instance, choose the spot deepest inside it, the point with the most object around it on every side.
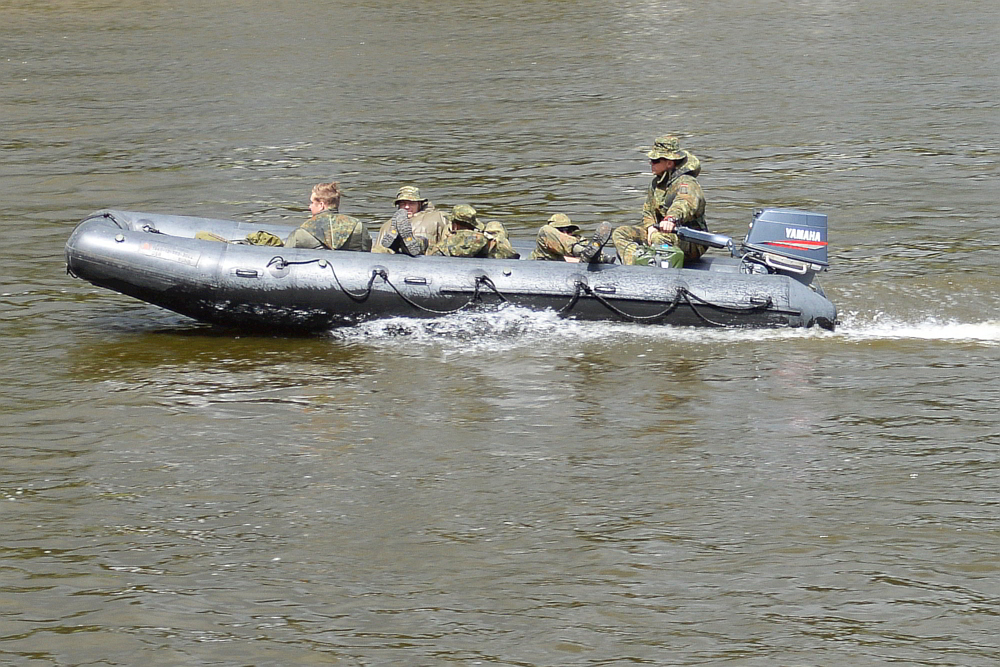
(392, 233)
(412, 245)
(592, 251)
(602, 258)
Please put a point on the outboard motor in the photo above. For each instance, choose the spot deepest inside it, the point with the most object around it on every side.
(780, 240)
(788, 240)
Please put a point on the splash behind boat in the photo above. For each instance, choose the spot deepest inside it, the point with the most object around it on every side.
(766, 281)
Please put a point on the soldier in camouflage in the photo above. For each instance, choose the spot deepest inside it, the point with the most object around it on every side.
(499, 246)
(559, 239)
(423, 226)
(327, 228)
(556, 238)
(470, 238)
(674, 199)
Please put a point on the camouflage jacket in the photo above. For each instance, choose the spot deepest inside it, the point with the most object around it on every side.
(338, 231)
(677, 194)
(429, 223)
(491, 242)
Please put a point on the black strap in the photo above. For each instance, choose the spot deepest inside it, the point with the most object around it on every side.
(682, 294)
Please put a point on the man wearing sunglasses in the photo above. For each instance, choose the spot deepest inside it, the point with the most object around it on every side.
(674, 199)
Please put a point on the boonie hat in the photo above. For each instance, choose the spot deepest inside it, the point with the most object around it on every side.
(562, 221)
(667, 147)
(409, 193)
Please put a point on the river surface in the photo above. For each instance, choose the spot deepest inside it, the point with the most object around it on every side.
(506, 489)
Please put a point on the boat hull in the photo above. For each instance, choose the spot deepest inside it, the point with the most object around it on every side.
(155, 258)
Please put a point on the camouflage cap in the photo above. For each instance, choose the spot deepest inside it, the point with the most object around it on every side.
(667, 147)
(408, 193)
(465, 214)
(562, 221)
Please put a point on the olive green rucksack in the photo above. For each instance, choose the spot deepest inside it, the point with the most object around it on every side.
(264, 238)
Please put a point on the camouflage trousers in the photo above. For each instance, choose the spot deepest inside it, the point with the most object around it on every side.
(631, 244)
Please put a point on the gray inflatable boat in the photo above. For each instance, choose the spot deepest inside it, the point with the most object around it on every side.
(767, 280)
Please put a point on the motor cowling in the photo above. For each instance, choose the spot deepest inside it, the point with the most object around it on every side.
(778, 234)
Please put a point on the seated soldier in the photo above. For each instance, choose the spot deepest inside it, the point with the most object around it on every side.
(415, 226)
(674, 198)
(470, 238)
(560, 240)
(327, 228)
